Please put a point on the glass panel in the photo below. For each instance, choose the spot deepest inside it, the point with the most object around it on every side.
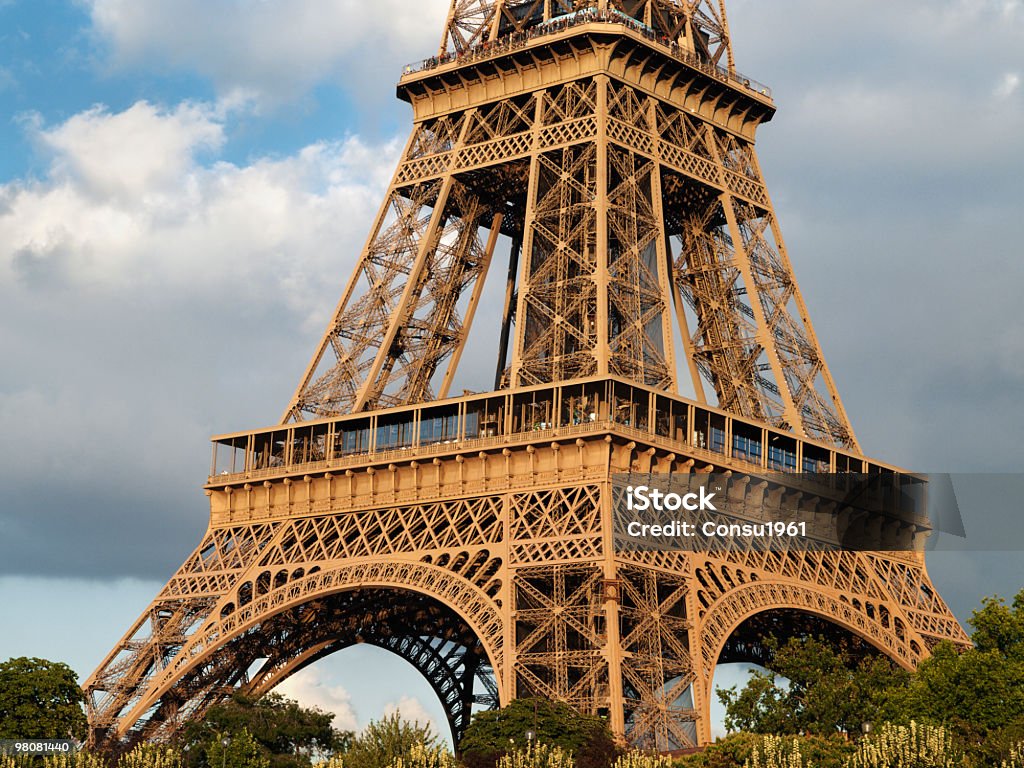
(439, 425)
(270, 449)
(485, 418)
(352, 437)
(394, 432)
(533, 411)
(781, 453)
(817, 460)
(709, 431)
(746, 442)
(579, 405)
(229, 456)
(630, 406)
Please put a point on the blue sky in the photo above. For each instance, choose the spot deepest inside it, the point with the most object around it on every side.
(185, 186)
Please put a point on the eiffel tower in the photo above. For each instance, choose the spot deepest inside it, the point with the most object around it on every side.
(605, 150)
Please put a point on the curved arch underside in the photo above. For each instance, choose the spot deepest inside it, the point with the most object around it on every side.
(747, 644)
(432, 637)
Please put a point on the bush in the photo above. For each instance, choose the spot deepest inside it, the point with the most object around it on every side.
(637, 759)
(422, 756)
(554, 723)
(737, 749)
(776, 752)
(385, 741)
(151, 756)
(537, 755)
(899, 746)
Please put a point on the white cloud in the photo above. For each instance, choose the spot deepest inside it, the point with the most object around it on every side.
(7, 80)
(412, 710)
(1008, 85)
(309, 688)
(153, 295)
(133, 154)
(273, 50)
(127, 204)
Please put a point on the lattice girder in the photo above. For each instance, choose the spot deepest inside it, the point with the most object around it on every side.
(612, 159)
(509, 570)
(629, 210)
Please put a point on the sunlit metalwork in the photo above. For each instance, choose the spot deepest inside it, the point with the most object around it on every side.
(610, 146)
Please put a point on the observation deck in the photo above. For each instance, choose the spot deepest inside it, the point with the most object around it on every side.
(490, 422)
(510, 58)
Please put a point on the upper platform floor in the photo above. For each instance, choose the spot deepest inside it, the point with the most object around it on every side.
(577, 45)
(488, 421)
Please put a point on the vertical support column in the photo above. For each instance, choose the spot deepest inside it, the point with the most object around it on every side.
(665, 277)
(603, 349)
(526, 259)
(506, 321)
(507, 674)
(611, 596)
(702, 678)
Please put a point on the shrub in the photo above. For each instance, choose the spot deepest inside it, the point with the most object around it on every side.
(424, 756)
(899, 746)
(537, 755)
(1016, 757)
(637, 759)
(151, 756)
(776, 752)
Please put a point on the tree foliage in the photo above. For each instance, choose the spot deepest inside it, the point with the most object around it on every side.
(493, 733)
(288, 735)
(384, 741)
(537, 755)
(913, 746)
(826, 691)
(239, 751)
(977, 694)
(737, 749)
(40, 699)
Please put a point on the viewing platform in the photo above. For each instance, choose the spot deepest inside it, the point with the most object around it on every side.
(492, 421)
(543, 32)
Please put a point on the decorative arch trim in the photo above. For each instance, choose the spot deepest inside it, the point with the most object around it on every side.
(471, 603)
(741, 603)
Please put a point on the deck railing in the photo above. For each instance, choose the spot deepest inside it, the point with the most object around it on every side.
(519, 40)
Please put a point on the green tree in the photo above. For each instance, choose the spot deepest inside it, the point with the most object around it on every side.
(977, 693)
(495, 732)
(40, 699)
(999, 627)
(238, 751)
(289, 735)
(826, 691)
(382, 742)
(737, 749)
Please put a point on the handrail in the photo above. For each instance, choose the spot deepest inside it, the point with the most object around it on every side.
(519, 40)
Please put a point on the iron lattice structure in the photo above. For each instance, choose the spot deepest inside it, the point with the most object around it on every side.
(611, 144)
